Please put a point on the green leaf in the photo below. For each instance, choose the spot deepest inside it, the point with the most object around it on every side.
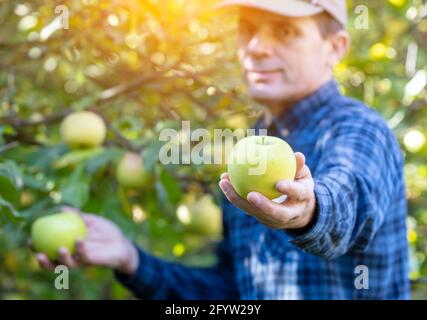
(44, 157)
(168, 191)
(85, 102)
(6, 129)
(76, 156)
(101, 160)
(162, 198)
(7, 209)
(150, 155)
(10, 169)
(171, 186)
(8, 191)
(10, 178)
(75, 188)
(36, 184)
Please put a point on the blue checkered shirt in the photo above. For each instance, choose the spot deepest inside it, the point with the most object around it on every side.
(356, 248)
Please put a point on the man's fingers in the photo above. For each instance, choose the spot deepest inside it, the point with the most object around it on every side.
(294, 190)
(44, 262)
(92, 253)
(65, 258)
(230, 193)
(270, 213)
(225, 176)
(233, 197)
(302, 170)
(88, 252)
(89, 219)
(82, 254)
(228, 190)
(269, 209)
(300, 160)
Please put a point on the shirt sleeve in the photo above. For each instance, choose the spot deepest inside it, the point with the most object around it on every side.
(354, 181)
(157, 279)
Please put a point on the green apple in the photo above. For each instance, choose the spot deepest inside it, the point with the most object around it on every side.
(130, 171)
(238, 121)
(83, 129)
(257, 163)
(55, 231)
(201, 215)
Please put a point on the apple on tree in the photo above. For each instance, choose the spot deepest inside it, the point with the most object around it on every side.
(201, 215)
(238, 121)
(83, 129)
(130, 171)
(50, 233)
(257, 163)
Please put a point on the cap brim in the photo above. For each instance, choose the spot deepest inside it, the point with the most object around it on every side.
(291, 8)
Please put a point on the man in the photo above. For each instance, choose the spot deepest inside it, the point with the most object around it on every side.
(340, 233)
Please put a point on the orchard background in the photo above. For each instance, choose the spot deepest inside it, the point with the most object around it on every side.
(146, 65)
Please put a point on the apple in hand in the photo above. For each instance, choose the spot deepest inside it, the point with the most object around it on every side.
(130, 171)
(257, 163)
(55, 231)
(83, 129)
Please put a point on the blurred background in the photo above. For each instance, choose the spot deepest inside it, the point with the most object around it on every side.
(145, 65)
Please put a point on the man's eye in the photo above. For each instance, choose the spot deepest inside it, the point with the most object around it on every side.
(284, 32)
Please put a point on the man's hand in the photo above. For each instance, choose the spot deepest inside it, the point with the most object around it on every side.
(296, 212)
(105, 245)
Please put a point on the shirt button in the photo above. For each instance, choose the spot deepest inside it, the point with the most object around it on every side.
(246, 262)
(284, 132)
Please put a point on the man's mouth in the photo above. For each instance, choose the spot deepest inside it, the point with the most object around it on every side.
(264, 71)
(262, 75)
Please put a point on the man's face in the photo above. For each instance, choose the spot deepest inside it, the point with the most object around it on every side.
(283, 59)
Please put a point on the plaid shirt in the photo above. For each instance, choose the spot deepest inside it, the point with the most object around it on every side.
(357, 167)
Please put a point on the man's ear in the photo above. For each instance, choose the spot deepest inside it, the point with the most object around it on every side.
(340, 44)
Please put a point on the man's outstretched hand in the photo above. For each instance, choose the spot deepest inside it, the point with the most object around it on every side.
(296, 212)
(105, 245)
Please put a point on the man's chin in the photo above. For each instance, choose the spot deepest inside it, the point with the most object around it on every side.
(267, 97)
(276, 103)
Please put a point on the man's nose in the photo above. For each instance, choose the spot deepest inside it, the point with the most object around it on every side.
(260, 45)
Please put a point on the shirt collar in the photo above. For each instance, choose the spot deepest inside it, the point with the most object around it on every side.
(306, 107)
